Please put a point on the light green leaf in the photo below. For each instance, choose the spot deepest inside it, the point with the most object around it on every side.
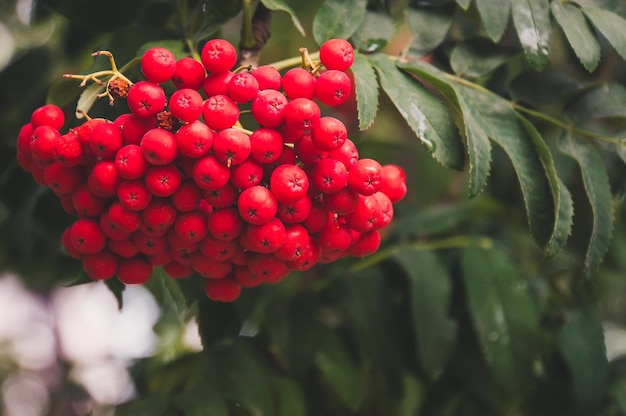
(598, 189)
(202, 399)
(430, 290)
(464, 4)
(88, 98)
(366, 90)
(429, 26)
(563, 206)
(582, 344)
(495, 16)
(477, 57)
(478, 146)
(579, 34)
(427, 116)
(503, 127)
(338, 19)
(611, 25)
(532, 23)
(339, 370)
(280, 5)
(505, 317)
(177, 47)
(605, 101)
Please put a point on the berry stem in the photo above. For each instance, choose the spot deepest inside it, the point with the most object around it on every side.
(294, 61)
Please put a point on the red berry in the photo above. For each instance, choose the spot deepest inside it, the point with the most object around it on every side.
(366, 177)
(104, 179)
(134, 128)
(329, 134)
(223, 290)
(146, 99)
(61, 179)
(217, 84)
(268, 108)
(186, 104)
(86, 203)
(194, 139)
(289, 183)
(220, 112)
(302, 114)
(225, 224)
(296, 239)
(366, 215)
(123, 218)
(136, 270)
(299, 83)
(217, 250)
(295, 212)
(42, 143)
(48, 115)
(266, 145)
(264, 238)
(177, 270)
(67, 150)
(394, 182)
(134, 195)
(268, 77)
(329, 176)
(210, 269)
(124, 248)
(343, 202)
(187, 197)
(243, 87)
(191, 226)
(246, 174)
(66, 240)
(210, 174)
(159, 215)
(189, 73)
(257, 205)
(158, 65)
(86, 236)
(347, 154)
(221, 197)
(106, 139)
(130, 163)
(158, 147)
(267, 267)
(231, 146)
(366, 244)
(218, 55)
(100, 266)
(333, 87)
(337, 54)
(163, 180)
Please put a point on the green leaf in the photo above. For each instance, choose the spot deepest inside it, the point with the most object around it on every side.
(563, 206)
(477, 57)
(543, 88)
(532, 23)
(505, 317)
(374, 32)
(598, 189)
(291, 401)
(338, 19)
(579, 34)
(604, 101)
(427, 116)
(429, 26)
(154, 405)
(216, 14)
(495, 16)
(117, 289)
(582, 344)
(503, 127)
(366, 90)
(241, 377)
(202, 399)
(88, 98)
(611, 25)
(280, 5)
(478, 146)
(177, 47)
(169, 296)
(338, 368)
(464, 4)
(430, 290)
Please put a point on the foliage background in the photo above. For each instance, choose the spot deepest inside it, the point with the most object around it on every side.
(468, 309)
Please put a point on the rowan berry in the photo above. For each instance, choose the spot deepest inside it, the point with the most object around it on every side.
(146, 99)
(210, 174)
(188, 73)
(299, 83)
(333, 87)
(218, 55)
(130, 163)
(220, 112)
(86, 236)
(186, 104)
(223, 290)
(163, 180)
(135, 270)
(158, 147)
(257, 205)
(337, 54)
(268, 108)
(134, 195)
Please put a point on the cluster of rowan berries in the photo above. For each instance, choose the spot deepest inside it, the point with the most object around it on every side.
(178, 183)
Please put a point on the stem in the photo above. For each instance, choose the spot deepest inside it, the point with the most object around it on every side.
(295, 61)
(247, 37)
(444, 243)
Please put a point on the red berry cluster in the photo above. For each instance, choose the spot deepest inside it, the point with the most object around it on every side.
(178, 183)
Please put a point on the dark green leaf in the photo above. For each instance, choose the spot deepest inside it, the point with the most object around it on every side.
(338, 19)
(604, 101)
(154, 405)
(241, 377)
(598, 190)
(579, 34)
(63, 93)
(505, 317)
(427, 116)
(430, 290)
(429, 26)
(563, 206)
(202, 399)
(478, 146)
(117, 289)
(340, 371)
(280, 5)
(543, 88)
(611, 25)
(503, 127)
(478, 57)
(495, 16)
(215, 14)
(582, 345)
(374, 33)
(532, 23)
(366, 86)
(290, 398)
